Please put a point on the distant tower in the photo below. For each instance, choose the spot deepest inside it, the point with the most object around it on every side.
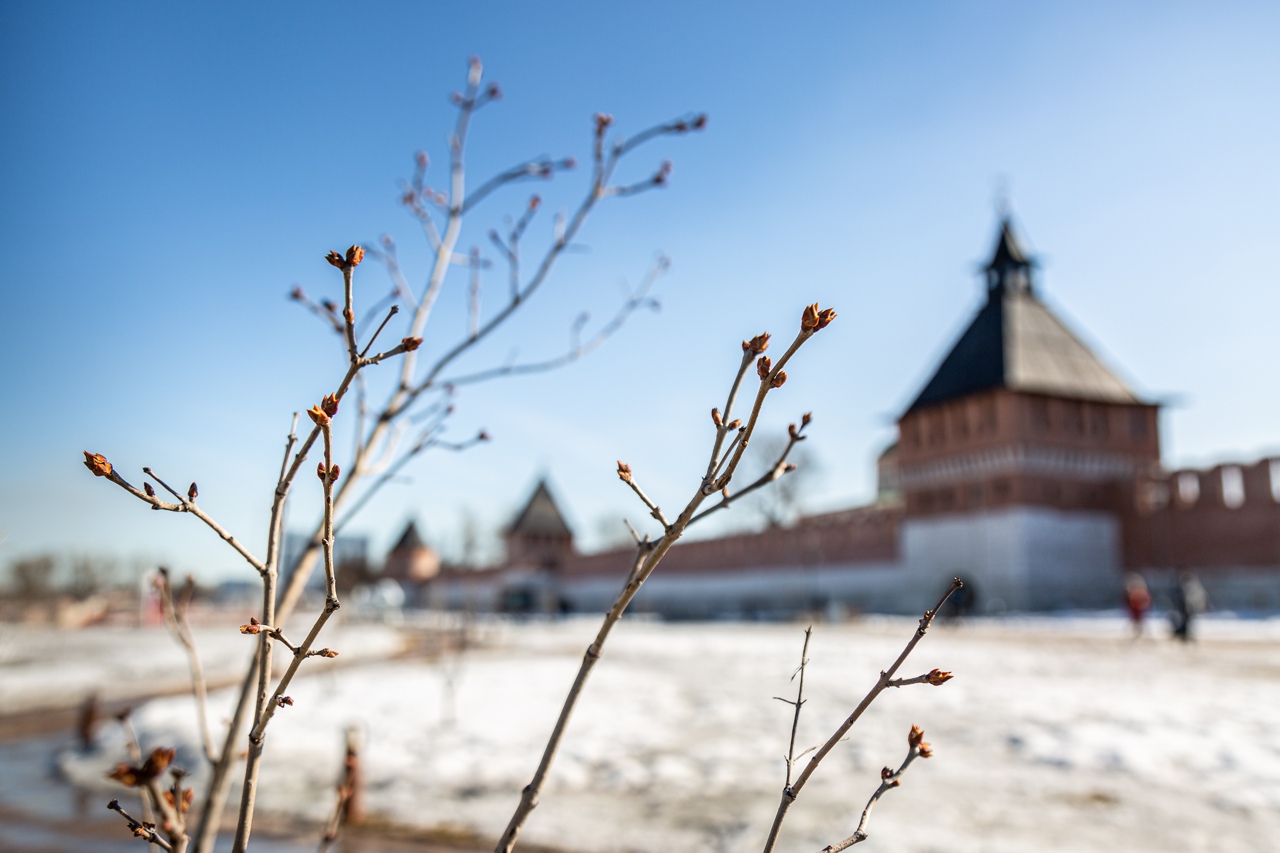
(539, 538)
(1008, 457)
(411, 559)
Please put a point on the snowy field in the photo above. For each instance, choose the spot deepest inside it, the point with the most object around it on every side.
(1057, 734)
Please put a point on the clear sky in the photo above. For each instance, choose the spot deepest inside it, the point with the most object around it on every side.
(170, 171)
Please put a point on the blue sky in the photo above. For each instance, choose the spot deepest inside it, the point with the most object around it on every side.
(170, 171)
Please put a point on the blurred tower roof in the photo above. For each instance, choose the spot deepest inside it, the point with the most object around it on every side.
(1016, 342)
(409, 540)
(541, 515)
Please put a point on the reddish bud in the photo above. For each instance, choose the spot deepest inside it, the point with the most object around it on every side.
(937, 677)
(329, 305)
(188, 796)
(284, 700)
(915, 740)
(494, 92)
(886, 772)
(422, 159)
(664, 172)
(793, 432)
(349, 316)
(387, 242)
(814, 319)
(734, 424)
(763, 366)
(335, 259)
(756, 345)
(157, 762)
(482, 436)
(320, 472)
(355, 255)
(806, 419)
(334, 473)
(624, 472)
(318, 416)
(146, 487)
(569, 163)
(779, 379)
(329, 404)
(700, 121)
(97, 463)
(535, 202)
(410, 344)
(192, 492)
(716, 418)
(603, 120)
(327, 653)
(297, 294)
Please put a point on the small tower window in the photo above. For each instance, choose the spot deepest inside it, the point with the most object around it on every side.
(1232, 486)
(1188, 487)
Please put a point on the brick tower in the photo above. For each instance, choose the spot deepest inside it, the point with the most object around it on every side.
(1009, 457)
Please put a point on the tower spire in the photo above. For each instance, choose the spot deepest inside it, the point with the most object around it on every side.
(1009, 270)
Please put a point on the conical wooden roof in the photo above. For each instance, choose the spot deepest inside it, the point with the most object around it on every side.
(540, 515)
(1016, 342)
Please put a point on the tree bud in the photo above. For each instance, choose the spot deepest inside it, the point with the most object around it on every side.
(318, 416)
(97, 463)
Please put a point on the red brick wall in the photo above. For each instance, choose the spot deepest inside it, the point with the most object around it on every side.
(1166, 525)
(1002, 448)
(864, 535)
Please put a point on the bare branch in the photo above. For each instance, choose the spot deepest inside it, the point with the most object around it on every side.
(889, 778)
(390, 313)
(175, 619)
(798, 703)
(100, 467)
(791, 792)
(578, 349)
(145, 831)
(648, 556)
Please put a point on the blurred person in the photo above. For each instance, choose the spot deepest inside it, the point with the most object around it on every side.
(1137, 600)
(1189, 601)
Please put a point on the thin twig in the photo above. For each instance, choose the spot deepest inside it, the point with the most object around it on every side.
(791, 792)
(393, 311)
(888, 779)
(175, 618)
(648, 556)
(799, 701)
(144, 830)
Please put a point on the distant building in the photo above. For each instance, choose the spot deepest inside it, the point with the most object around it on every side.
(1024, 466)
(410, 559)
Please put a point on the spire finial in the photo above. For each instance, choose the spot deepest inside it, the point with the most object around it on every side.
(1000, 196)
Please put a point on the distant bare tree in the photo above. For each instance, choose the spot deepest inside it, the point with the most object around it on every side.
(33, 576)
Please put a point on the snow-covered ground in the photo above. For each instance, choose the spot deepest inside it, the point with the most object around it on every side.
(43, 667)
(1057, 734)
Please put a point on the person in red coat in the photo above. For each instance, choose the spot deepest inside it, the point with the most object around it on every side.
(1137, 600)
